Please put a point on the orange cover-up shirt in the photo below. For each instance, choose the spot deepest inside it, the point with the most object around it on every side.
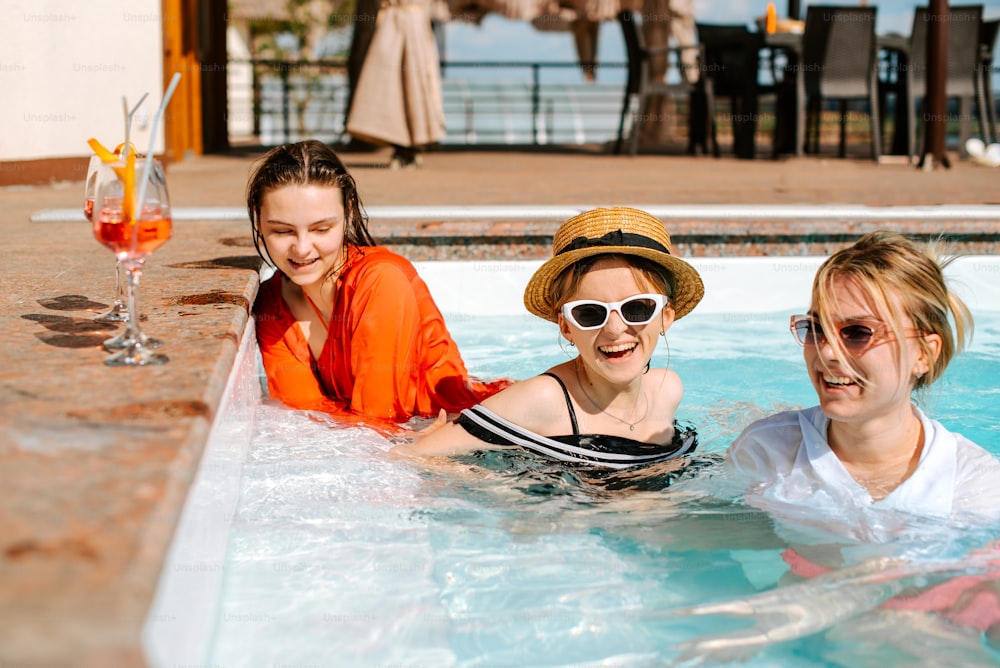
(388, 354)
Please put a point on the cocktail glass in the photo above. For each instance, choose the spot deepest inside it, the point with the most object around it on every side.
(132, 230)
(118, 312)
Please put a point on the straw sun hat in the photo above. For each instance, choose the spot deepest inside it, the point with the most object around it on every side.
(618, 230)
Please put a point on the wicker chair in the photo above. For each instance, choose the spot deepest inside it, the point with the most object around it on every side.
(639, 88)
(964, 52)
(839, 61)
(732, 61)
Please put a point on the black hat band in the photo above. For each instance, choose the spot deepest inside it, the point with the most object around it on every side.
(615, 238)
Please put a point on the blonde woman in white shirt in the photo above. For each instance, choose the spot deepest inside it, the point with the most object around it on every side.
(882, 327)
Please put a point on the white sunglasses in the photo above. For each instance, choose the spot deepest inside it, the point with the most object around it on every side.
(590, 314)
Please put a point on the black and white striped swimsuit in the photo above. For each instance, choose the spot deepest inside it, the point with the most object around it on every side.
(615, 452)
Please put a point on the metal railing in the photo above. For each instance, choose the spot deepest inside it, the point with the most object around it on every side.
(512, 111)
(283, 99)
(498, 102)
(509, 102)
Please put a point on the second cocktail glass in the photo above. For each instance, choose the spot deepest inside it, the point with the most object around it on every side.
(132, 230)
(118, 312)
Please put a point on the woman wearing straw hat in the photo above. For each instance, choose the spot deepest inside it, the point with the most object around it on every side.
(613, 287)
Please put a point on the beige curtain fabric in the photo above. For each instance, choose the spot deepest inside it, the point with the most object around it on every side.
(663, 20)
(544, 14)
(522, 10)
(398, 96)
(666, 19)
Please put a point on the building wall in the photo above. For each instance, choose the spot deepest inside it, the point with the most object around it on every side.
(64, 67)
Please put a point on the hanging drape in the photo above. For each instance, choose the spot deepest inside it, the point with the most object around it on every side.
(398, 96)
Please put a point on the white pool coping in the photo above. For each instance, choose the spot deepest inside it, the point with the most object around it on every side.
(732, 284)
(180, 626)
(942, 212)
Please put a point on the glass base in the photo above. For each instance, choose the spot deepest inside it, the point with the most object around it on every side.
(117, 313)
(136, 356)
(122, 342)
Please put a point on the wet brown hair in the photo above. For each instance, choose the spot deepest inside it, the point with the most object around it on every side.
(885, 265)
(305, 163)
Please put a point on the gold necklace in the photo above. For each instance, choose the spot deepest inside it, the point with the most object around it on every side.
(881, 484)
(631, 425)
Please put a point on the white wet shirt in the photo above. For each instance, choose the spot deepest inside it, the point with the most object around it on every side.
(793, 473)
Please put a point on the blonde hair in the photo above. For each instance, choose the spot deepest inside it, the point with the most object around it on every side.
(892, 270)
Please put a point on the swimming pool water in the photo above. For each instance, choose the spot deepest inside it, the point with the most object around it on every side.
(340, 553)
(740, 366)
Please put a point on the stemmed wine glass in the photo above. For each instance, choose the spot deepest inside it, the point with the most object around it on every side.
(103, 172)
(119, 309)
(132, 229)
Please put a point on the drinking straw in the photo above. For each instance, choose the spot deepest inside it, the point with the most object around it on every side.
(137, 105)
(128, 123)
(128, 117)
(149, 154)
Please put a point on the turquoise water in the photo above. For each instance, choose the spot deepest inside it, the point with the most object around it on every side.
(341, 554)
(740, 366)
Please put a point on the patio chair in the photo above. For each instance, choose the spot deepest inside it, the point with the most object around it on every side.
(839, 63)
(964, 58)
(732, 61)
(639, 88)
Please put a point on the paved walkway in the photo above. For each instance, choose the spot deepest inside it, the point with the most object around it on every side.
(462, 177)
(712, 206)
(508, 176)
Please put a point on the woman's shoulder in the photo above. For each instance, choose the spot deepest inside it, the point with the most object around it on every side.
(779, 421)
(667, 383)
(664, 375)
(971, 458)
(777, 436)
(271, 285)
(976, 459)
(269, 299)
(536, 403)
(375, 265)
(977, 478)
(371, 257)
(543, 387)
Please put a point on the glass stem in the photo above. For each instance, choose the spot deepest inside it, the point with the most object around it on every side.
(133, 272)
(121, 288)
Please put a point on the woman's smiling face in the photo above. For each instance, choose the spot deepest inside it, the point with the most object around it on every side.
(885, 372)
(303, 230)
(618, 351)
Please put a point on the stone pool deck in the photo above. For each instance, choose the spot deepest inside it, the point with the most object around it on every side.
(96, 462)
